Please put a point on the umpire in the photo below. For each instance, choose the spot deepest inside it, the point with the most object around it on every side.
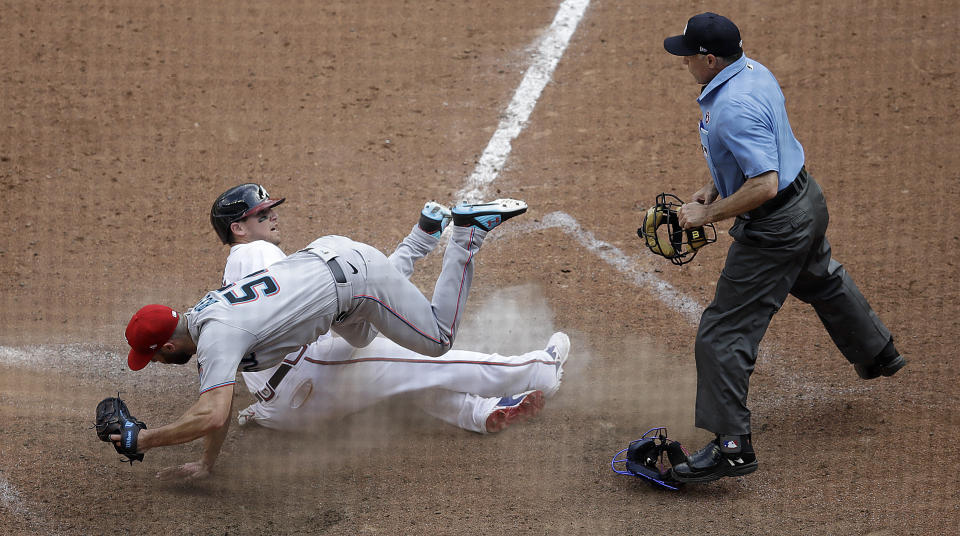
(779, 244)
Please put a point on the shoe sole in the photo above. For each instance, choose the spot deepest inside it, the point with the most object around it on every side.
(892, 367)
(528, 408)
(871, 372)
(737, 470)
(436, 211)
(501, 210)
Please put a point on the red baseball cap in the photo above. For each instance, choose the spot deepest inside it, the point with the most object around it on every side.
(149, 328)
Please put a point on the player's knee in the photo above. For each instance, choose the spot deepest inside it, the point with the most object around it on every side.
(437, 350)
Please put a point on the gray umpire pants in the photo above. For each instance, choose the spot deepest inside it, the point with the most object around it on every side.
(783, 253)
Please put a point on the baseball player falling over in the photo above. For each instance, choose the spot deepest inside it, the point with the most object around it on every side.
(333, 283)
(330, 378)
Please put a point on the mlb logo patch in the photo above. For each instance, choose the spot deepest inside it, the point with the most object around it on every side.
(731, 444)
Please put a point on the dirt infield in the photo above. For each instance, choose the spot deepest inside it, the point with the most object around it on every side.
(123, 121)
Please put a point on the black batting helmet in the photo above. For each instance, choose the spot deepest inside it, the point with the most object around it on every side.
(236, 204)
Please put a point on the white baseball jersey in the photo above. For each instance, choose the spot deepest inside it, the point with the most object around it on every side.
(244, 259)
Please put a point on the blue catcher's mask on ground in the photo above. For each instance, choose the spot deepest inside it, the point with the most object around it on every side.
(646, 458)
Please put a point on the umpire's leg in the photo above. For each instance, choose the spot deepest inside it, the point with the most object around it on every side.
(845, 313)
(760, 270)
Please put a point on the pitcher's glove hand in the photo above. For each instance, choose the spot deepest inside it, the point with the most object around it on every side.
(113, 417)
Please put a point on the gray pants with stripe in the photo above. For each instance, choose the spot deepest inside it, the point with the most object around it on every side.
(783, 253)
(383, 299)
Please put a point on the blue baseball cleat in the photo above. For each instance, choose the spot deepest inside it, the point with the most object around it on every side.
(434, 218)
(486, 216)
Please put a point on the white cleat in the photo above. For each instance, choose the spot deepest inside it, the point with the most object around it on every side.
(559, 349)
(486, 216)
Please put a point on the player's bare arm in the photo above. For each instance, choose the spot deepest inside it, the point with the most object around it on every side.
(209, 415)
(752, 194)
(199, 469)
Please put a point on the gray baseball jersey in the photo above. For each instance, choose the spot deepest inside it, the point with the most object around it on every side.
(255, 322)
(329, 378)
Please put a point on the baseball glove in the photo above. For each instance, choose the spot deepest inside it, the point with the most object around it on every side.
(113, 417)
(677, 244)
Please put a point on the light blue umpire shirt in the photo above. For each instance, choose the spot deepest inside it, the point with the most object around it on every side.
(744, 130)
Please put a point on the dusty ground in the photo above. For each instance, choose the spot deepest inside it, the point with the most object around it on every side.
(122, 121)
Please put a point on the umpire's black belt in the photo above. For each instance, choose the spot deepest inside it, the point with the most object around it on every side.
(782, 198)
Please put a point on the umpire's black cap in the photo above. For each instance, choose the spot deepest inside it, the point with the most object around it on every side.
(706, 33)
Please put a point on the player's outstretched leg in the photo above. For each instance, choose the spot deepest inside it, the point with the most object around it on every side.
(486, 216)
(518, 408)
(397, 307)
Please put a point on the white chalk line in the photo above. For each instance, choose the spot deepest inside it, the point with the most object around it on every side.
(12, 503)
(10, 499)
(637, 271)
(546, 57)
(547, 54)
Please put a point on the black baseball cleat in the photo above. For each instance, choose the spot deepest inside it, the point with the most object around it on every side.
(724, 456)
(879, 368)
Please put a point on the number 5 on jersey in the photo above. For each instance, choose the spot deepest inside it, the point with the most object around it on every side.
(251, 290)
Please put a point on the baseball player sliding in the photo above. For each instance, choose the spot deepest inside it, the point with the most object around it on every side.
(334, 283)
(330, 378)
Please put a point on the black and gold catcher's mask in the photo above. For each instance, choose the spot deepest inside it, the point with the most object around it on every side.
(662, 233)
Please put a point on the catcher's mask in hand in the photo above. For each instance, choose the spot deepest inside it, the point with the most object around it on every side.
(677, 244)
